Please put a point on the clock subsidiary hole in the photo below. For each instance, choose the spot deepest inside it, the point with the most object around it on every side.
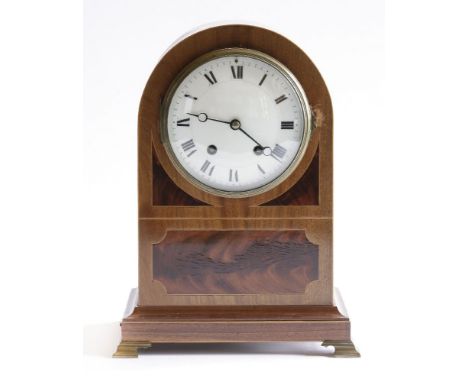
(211, 149)
(258, 150)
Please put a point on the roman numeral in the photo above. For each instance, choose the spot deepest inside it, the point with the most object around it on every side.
(279, 151)
(238, 72)
(288, 125)
(263, 79)
(211, 78)
(205, 167)
(184, 122)
(280, 99)
(233, 175)
(189, 96)
(261, 169)
(188, 145)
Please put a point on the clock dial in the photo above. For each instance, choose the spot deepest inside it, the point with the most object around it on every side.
(236, 122)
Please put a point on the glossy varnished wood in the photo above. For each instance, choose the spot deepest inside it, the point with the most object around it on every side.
(317, 232)
(235, 262)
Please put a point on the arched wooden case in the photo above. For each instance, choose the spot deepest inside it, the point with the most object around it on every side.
(252, 269)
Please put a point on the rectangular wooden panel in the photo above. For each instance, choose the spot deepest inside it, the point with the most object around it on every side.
(235, 262)
(155, 232)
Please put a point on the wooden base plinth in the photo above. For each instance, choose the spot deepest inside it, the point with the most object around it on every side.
(217, 324)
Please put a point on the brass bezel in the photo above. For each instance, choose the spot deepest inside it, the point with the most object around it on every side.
(306, 111)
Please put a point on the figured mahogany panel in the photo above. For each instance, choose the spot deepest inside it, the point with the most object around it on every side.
(235, 262)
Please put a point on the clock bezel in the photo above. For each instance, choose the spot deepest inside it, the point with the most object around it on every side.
(297, 88)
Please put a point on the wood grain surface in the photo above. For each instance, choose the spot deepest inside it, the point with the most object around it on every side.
(154, 231)
(238, 313)
(233, 262)
(250, 331)
(235, 324)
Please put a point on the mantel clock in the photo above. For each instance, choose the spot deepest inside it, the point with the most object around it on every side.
(235, 197)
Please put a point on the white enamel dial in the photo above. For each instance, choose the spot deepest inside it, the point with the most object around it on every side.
(236, 122)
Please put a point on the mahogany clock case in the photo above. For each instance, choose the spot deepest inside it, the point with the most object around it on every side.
(214, 269)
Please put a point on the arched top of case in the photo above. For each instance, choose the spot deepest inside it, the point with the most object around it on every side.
(187, 50)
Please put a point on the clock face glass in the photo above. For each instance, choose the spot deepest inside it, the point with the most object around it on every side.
(235, 122)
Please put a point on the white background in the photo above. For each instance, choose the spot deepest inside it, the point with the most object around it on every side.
(68, 245)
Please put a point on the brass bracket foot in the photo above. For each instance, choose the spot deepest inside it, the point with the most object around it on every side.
(129, 349)
(342, 348)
